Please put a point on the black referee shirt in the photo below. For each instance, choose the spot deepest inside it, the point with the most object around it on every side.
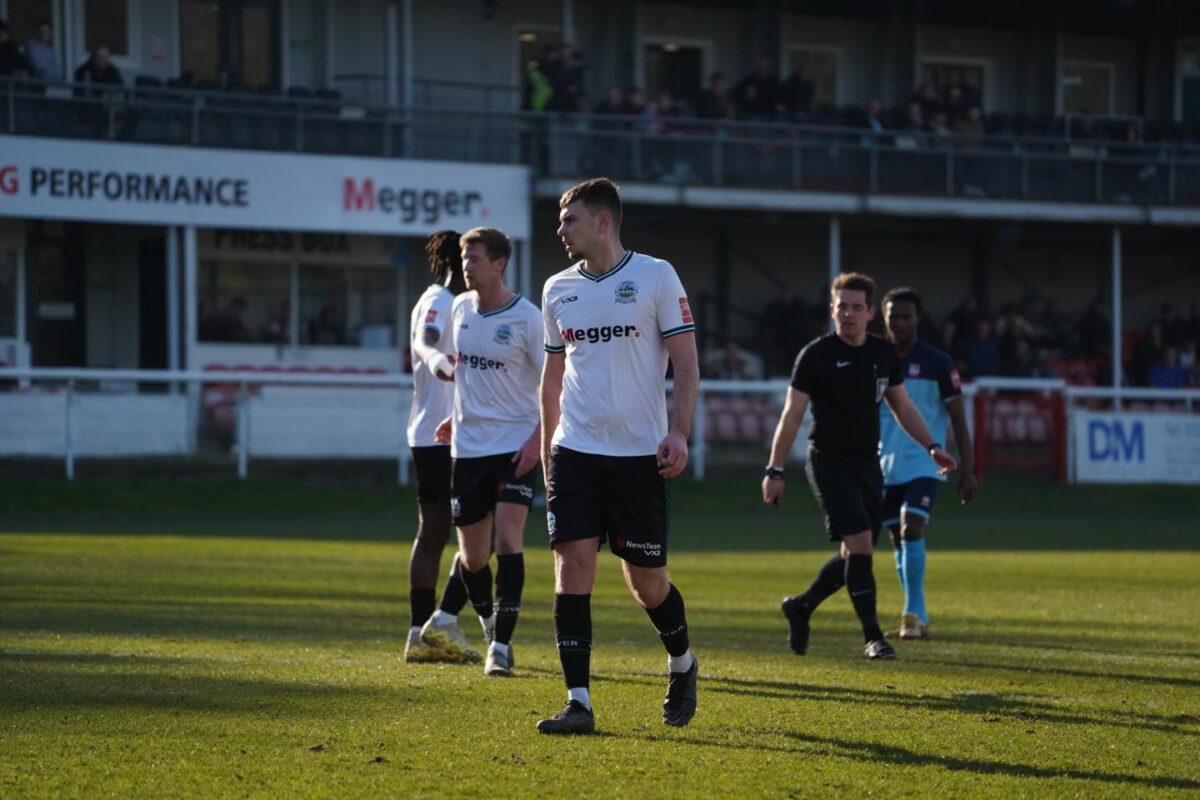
(846, 385)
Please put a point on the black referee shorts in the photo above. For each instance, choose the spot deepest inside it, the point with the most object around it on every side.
(477, 484)
(433, 474)
(849, 490)
(619, 498)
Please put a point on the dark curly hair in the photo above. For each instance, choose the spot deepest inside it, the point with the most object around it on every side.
(441, 248)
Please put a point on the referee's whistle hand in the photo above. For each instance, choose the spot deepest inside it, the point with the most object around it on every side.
(772, 491)
(672, 455)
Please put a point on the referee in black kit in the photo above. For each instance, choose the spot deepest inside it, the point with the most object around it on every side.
(845, 375)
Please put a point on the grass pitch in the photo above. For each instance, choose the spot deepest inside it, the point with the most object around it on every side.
(227, 640)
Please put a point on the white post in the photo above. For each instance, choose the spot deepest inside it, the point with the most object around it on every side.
(285, 35)
(191, 282)
(525, 278)
(391, 54)
(568, 21)
(699, 440)
(330, 70)
(1116, 312)
(835, 253)
(409, 57)
(69, 440)
(173, 321)
(243, 431)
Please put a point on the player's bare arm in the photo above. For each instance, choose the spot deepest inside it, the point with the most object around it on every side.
(910, 420)
(553, 369)
(968, 481)
(673, 449)
(781, 443)
(425, 349)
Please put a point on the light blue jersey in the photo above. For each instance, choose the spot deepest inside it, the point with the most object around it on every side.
(931, 379)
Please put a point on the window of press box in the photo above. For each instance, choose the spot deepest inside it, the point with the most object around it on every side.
(244, 302)
(342, 305)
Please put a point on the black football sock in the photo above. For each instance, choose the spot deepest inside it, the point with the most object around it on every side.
(510, 580)
(479, 589)
(573, 630)
(671, 623)
(860, 583)
(830, 578)
(420, 604)
(455, 595)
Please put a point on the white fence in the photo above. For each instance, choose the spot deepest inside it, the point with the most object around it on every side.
(1142, 436)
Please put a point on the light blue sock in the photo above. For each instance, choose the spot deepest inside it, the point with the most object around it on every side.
(913, 556)
(898, 554)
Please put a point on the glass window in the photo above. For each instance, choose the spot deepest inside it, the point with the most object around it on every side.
(24, 16)
(819, 67)
(8, 294)
(106, 22)
(968, 78)
(257, 47)
(675, 69)
(1087, 88)
(199, 47)
(347, 305)
(244, 302)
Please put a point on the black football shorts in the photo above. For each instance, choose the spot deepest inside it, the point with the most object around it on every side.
(849, 490)
(477, 484)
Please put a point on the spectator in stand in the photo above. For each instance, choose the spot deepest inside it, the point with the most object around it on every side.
(915, 121)
(42, 57)
(731, 364)
(874, 111)
(970, 123)
(613, 102)
(929, 100)
(538, 89)
(99, 70)
(715, 102)
(966, 316)
(1094, 330)
(757, 95)
(1187, 355)
(1168, 373)
(939, 124)
(566, 78)
(983, 354)
(1017, 359)
(635, 102)
(1193, 322)
(954, 105)
(796, 95)
(12, 63)
(1175, 330)
(1149, 351)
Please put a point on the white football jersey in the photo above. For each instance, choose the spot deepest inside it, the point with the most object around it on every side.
(612, 329)
(433, 399)
(498, 367)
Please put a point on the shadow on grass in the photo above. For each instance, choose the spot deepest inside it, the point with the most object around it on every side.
(55, 681)
(810, 745)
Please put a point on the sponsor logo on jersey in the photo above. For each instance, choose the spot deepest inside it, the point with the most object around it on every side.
(626, 292)
(431, 316)
(569, 299)
(914, 370)
(503, 335)
(881, 385)
(685, 311)
(479, 362)
(603, 334)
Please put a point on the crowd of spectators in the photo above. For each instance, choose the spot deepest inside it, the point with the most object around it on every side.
(36, 59)
(1031, 338)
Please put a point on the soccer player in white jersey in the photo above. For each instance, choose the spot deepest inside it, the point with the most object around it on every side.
(431, 403)
(612, 321)
(494, 436)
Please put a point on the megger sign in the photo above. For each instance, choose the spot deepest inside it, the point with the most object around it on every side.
(152, 184)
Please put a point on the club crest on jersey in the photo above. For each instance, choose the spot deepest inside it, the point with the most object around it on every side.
(626, 292)
(881, 385)
(503, 335)
(914, 370)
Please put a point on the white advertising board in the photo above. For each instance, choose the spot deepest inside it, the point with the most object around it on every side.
(1136, 448)
(154, 184)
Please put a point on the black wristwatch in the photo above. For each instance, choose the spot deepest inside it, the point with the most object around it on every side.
(774, 473)
(934, 446)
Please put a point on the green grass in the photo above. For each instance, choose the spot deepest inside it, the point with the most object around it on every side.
(212, 639)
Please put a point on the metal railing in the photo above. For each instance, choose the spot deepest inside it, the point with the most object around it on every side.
(681, 152)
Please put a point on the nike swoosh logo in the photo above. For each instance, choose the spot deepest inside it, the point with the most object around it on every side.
(843, 364)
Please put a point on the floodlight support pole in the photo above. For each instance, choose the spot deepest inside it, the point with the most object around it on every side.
(568, 21)
(173, 322)
(392, 56)
(1116, 312)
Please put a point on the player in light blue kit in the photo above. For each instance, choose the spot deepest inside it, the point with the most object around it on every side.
(910, 478)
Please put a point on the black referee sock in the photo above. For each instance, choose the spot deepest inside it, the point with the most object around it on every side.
(671, 623)
(479, 589)
(860, 583)
(420, 604)
(573, 630)
(455, 595)
(510, 580)
(830, 578)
